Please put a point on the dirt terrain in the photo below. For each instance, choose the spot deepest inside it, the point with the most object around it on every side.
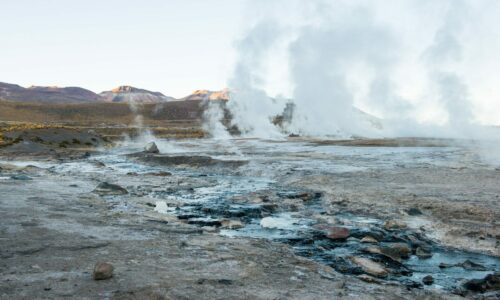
(244, 219)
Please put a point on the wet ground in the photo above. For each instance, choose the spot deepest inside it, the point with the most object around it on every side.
(324, 220)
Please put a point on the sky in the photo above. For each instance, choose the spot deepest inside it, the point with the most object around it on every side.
(173, 47)
(178, 46)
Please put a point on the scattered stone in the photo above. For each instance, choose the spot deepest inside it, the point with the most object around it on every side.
(370, 267)
(445, 265)
(98, 163)
(105, 188)
(428, 280)
(392, 225)
(372, 250)
(338, 233)
(396, 251)
(204, 222)
(369, 240)
(161, 174)
(151, 148)
(423, 253)
(489, 283)
(471, 266)
(368, 278)
(414, 211)
(232, 224)
(20, 177)
(102, 271)
(412, 284)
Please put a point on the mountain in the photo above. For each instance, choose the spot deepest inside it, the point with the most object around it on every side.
(208, 95)
(47, 94)
(128, 94)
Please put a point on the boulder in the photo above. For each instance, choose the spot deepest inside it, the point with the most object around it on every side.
(423, 252)
(370, 267)
(489, 283)
(337, 233)
(471, 266)
(20, 177)
(105, 188)
(369, 240)
(151, 148)
(102, 271)
(413, 211)
(396, 251)
(392, 225)
(428, 280)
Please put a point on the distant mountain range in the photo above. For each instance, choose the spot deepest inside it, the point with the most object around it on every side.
(43, 94)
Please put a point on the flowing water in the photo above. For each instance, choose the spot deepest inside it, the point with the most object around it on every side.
(225, 193)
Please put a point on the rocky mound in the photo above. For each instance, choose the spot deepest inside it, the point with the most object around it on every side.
(46, 94)
(131, 94)
(208, 95)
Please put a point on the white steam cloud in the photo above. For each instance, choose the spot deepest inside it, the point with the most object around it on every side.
(424, 68)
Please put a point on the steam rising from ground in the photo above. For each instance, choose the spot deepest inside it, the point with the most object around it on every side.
(396, 61)
(425, 68)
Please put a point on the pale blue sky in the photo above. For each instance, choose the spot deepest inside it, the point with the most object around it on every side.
(168, 46)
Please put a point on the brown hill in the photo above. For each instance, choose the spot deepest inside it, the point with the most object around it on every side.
(130, 94)
(43, 94)
(208, 95)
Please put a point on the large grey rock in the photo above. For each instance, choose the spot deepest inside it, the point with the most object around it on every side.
(105, 189)
(151, 148)
(370, 267)
(102, 271)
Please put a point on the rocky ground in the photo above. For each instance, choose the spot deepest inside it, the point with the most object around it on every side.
(75, 209)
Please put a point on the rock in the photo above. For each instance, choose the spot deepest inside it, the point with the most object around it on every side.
(232, 224)
(369, 240)
(445, 265)
(151, 148)
(396, 251)
(489, 283)
(20, 177)
(428, 280)
(161, 174)
(471, 266)
(338, 233)
(204, 222)
(392, 225)
(102, 271)
(423, 252)
(370, 267)
(368, 278)
(105, 188)
(372, 250)
(413, 211)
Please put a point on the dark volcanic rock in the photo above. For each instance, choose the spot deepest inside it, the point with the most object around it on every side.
(413, 211)
(472, 266)
(428, 280)
(191, 161)
(105, 188)
(20, 177)
(396, 251)
(102, 271)
(489, 283)
(423, 252)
